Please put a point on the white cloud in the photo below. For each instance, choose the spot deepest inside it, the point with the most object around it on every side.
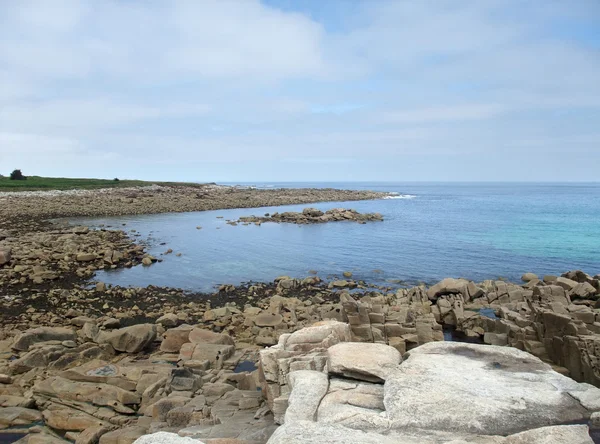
(229, 81)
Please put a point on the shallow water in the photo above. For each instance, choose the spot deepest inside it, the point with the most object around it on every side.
(9, 438)
(432, 231)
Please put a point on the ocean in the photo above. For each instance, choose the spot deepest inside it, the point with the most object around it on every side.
(431, 231)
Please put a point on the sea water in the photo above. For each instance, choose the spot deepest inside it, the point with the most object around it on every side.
(431, 231)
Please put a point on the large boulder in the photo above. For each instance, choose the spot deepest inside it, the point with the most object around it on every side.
(42, 334)
(447, 286)
(129, 339)
(363, 361)
(472, 388)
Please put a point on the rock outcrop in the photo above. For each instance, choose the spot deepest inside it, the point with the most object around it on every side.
(312, 216)
(442, 392)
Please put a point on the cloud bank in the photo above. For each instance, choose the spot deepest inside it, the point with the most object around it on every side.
(259, 91)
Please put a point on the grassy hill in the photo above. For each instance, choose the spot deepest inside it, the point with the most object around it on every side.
(64, 183)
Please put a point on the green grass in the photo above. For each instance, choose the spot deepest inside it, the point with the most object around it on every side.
(64, 183)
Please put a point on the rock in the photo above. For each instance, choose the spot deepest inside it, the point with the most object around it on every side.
(146, 261)
(308, 388)
(308, 432)
(312, 212)
(215, 353)
(129, 339)
(202, 336)
(354, 404)
(101, 287)
(166, 438)
(595, 421)
(5, 256)
(60, 418)
(573, 434)
(268, 320)
(92, 435)
(529, 277)
(13, 416)
(86, 257)
(127, 435)
(471, 388)
(363, 361)
(449, 286)
(43, 334)
(347, 274)
(583, 290)
(566, 283)
(168, 320)
(175, 338)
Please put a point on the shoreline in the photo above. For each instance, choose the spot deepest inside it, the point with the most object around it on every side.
(43, 205)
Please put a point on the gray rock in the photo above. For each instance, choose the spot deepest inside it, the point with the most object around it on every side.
(363, 361)
(357, 405)
(308, 388)
(572, 434)
(473, 388)
(165, 438)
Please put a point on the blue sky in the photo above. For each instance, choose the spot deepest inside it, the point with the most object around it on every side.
(282, 90)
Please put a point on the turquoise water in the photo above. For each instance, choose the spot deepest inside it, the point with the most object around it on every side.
(433, 230)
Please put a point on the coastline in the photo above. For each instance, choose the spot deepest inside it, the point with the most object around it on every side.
(161, 199)
(60, 334)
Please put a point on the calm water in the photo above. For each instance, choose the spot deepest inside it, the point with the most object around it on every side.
(476, 231)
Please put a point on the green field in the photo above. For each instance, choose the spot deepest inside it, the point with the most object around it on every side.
(64, 183)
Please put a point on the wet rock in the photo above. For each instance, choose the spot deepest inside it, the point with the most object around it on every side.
(527, 277)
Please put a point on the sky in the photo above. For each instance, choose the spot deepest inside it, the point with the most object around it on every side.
(282, 90)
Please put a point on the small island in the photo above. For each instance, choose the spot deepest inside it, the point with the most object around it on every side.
(311, 216)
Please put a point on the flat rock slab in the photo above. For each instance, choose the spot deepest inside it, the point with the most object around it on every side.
(470, 388)
(363, 361)
(306, 432)
(43, 334)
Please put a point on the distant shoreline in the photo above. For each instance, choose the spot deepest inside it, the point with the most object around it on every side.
(154, 199)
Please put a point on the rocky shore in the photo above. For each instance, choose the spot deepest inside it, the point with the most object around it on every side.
(291, 361)
(161, 199)
(110, 365)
